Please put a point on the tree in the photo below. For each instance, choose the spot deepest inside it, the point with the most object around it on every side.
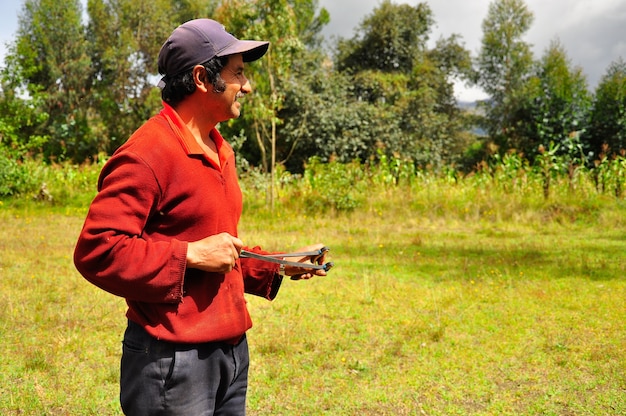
(504, 64)
(398, 100)
(22, 122)
(388, 40)
(607, 125)
(97, 82)
(285, 23)
(554, 107)
(54, 72)
(432, 112)
(409, 86)
(125, 38)
(323, 119)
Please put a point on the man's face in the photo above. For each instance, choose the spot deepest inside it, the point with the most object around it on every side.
(237, 86)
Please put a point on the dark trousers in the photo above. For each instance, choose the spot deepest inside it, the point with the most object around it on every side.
(163, 378)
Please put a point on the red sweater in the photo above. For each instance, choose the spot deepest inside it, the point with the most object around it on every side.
(157, 192)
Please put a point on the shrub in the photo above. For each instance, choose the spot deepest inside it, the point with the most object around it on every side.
(333, 185)
(16, 178)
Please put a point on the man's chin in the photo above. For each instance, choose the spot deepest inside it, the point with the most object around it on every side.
(236, 110)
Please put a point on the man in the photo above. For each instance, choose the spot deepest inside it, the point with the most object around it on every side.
(162, 233)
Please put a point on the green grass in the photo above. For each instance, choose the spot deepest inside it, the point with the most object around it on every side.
(445, 300)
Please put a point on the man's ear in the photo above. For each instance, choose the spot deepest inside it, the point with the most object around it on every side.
(200, 78)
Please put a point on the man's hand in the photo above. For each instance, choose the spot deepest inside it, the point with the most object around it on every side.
(217, 253)
(298, 273)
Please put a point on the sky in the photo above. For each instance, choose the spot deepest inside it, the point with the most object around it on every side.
(593, 32)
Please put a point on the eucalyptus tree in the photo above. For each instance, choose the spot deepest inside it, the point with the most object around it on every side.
(125, 38)
(22, 114)
(92, 74)
(504, 64)
(53, 73)
(606, 136)
(292, 27)
(431, 112)
(554, 107)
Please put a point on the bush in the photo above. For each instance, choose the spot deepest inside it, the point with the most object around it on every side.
(63, 184)
(16, 178)
(333, 185)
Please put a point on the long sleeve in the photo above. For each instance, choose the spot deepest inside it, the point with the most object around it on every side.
(113, 251)
(158, 192)
(260, 277)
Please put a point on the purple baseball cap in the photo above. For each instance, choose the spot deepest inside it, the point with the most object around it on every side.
(200, 40)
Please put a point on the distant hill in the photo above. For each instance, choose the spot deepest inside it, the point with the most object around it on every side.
(466, 104)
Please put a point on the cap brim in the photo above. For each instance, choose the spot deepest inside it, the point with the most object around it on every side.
(251, 50)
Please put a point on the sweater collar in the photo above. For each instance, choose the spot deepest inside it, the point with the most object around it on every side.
(188, 141)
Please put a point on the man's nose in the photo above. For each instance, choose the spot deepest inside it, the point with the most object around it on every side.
(246, 87)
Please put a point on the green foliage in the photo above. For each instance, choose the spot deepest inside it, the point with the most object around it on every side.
(504, 62)
(286, 24)
(353, 112)
(51, 52)
(94, 83)
(391, 171)
(548, 166)
(15, 177)
(125, 38)
(388, 40)
(333, 186)
(610, 175)
(607, 127)
(344, 187)
(554, 107)
(504, 58)
(430, 121)
(73, 91)
(62, 184)
(19, 120)
(323, 119)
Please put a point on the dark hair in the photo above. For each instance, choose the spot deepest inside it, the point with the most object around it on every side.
(179, 86)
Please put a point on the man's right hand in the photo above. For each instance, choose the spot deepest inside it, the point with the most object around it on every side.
(217, 253)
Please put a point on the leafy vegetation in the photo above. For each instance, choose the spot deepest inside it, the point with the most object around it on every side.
(504, 62)
(607, 135)
(383, 92)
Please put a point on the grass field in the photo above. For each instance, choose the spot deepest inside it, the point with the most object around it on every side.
(440, 303)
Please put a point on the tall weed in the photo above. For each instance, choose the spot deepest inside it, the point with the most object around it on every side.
(18, 178)
(328, 187)
(56, 184)
(501, 190)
